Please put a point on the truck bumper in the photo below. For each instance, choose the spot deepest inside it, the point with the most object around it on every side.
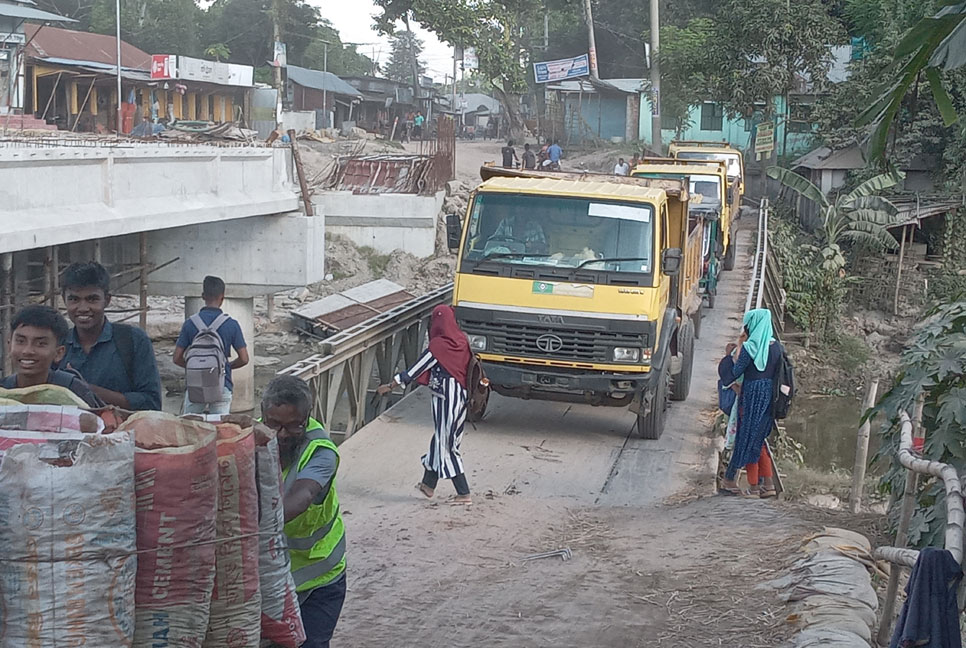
(546, 383)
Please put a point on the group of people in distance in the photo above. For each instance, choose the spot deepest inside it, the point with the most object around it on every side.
(547, 158)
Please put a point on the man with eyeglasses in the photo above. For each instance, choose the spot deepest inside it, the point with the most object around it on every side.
(313, 522)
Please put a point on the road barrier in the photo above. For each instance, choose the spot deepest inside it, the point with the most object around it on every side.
(354, 361)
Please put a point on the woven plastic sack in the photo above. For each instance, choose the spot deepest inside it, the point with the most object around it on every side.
(43, 395)
(175, 465)
(281, 618)
(67, 543)
(236, 603)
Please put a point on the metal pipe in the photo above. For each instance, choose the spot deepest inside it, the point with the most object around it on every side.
(120, 99)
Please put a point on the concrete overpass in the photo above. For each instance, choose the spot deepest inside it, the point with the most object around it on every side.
(164, 214)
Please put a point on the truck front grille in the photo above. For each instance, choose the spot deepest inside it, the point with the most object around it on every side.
(580, 345)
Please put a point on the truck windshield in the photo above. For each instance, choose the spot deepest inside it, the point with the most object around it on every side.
(708, 187)
(560, 232)
(732, 159)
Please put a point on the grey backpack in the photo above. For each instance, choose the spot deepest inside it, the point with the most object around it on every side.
(205, 360)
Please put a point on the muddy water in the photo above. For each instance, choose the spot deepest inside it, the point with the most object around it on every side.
(827, 426)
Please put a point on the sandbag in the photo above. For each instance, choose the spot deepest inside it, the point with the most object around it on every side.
(281, 618)
(236, 602)
(45, 394)
(175, 464)
(67, 543)
(49, 418)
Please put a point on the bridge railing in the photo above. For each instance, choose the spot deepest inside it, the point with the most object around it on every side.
(343, 374)
(765, 288)
(899, 555)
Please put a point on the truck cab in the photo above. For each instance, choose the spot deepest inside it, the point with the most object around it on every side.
(580, 287)
(723, 151)
(707, 185)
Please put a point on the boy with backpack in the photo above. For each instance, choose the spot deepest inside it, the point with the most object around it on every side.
(37, 336)
(203, 349)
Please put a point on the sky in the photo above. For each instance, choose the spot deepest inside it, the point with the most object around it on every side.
(354, 22)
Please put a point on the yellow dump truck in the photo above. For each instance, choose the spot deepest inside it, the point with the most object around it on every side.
(708, 187)
(581, 288)
(697, 150)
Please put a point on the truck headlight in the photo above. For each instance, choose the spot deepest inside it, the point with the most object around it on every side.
(627, 354)
(477, 342)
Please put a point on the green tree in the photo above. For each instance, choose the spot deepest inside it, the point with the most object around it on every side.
(934, 45)
(858, 217)
(405, 47)
(934, 365)
(342, 59)
(218, 51)
(684, 55)
(155, 26)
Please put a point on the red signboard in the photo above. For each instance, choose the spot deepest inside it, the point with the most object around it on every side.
(164, 66)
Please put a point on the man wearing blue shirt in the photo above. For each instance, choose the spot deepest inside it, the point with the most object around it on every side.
(555, 152)
(213, 292)
(116, 360)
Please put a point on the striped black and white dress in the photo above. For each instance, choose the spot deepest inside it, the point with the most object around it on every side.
(449, 416)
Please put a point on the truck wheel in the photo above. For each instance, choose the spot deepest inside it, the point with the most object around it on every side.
(651, 425)
(730, 254)
(681, 383)
(712, 293)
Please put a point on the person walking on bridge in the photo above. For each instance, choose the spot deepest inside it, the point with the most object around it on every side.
(443, 368)
(756, 360)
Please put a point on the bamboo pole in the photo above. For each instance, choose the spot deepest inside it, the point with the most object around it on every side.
(53, 93)
(300, 170)
(80, 110)
(6, 300)
(902, 532)
(143, 279)
(902, 252)
(862, 449)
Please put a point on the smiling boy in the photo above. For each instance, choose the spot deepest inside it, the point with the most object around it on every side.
(36, 344)
(117, 360)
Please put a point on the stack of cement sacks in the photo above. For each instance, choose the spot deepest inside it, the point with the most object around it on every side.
(830, 591)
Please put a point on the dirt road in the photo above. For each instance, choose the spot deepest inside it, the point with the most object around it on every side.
(655, 562)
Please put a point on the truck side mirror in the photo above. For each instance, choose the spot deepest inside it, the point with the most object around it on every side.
(671, 261)
(454, 228)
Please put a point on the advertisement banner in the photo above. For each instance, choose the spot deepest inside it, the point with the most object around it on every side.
(559, 70)
(765, 137)
(164, 66)
(192, 69)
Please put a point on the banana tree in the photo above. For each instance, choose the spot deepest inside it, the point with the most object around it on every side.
(859, 216)
(933, 45)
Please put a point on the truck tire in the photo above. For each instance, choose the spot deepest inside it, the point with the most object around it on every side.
(681, 383)
(730, 255)
(651, 425)
(697, 322)
(712, 293)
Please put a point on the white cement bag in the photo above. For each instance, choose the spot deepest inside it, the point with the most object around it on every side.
(67, 544)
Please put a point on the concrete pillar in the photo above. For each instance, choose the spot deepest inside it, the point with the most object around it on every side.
(243, 310)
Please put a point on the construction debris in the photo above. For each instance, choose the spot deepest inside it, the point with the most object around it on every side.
(329, 315)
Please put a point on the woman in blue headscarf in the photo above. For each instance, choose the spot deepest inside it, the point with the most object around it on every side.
(755, 360)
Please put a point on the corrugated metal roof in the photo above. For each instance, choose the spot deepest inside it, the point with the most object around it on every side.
(825, 158)
(69, 45)
(320, 81)
(581, 188)
(29, 13)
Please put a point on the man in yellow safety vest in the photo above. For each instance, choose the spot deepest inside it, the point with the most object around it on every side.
(313, 523)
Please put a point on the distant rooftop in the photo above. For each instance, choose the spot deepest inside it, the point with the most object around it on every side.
(69, 45)
(319, 80)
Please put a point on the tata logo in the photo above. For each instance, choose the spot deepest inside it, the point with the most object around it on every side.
(549, 343)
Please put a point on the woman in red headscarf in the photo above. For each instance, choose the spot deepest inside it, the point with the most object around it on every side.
(443, 368)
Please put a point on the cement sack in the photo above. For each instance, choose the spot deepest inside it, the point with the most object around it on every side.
(236, 602)
(175, 467)
(828, 638)
(67, 544)
(281, 618)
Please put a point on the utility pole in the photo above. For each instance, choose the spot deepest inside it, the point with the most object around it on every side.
(589, 15)
(277, 36)
(656, 144)
(325, 81)
(120, 99)
(415, 62)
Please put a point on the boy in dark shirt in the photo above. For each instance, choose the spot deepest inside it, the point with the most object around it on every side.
(37, 344)
(509, 155)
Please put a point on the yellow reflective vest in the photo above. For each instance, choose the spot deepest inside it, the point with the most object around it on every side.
(316, 538)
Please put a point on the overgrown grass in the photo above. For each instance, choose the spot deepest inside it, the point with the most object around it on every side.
(377, 262)
(851, 353)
